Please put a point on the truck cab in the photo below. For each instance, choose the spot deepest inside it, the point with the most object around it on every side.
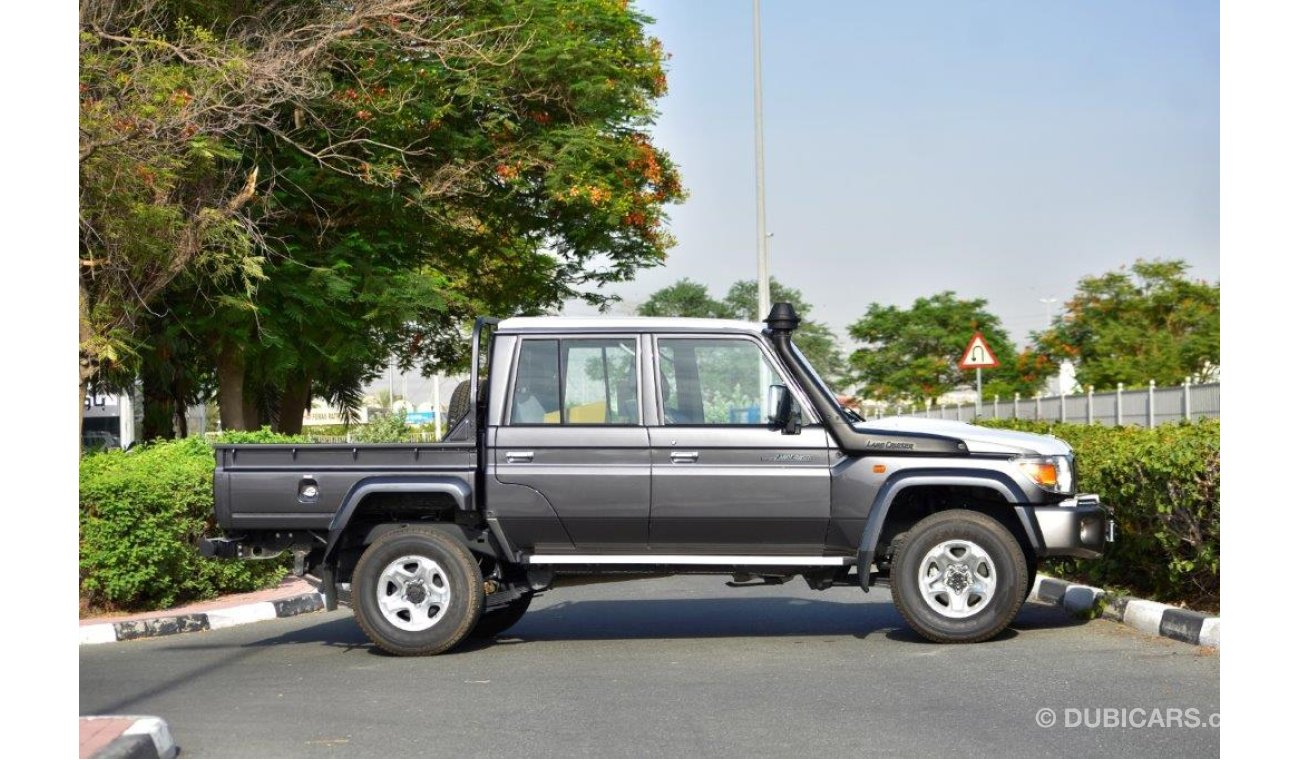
(613, 448)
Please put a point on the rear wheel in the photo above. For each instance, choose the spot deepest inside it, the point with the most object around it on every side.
(959, 577)
(417, 591)
(498, 621)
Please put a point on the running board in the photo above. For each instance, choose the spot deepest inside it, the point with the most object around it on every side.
(686, 559)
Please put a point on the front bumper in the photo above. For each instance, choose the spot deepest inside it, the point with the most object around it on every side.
(1077, 527)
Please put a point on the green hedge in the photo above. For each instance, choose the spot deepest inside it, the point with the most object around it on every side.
(1164, 487)
(142, 514)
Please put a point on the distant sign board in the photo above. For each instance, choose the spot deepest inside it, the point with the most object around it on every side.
(101, 405)
(978, 355)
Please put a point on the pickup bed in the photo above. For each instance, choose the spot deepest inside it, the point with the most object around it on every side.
(609, 449)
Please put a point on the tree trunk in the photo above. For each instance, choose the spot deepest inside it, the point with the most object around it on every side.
(159, 410)
(81, 408)
(230, 386)
(86, 367)
(180, 407)
(293, 403)
(252, 406)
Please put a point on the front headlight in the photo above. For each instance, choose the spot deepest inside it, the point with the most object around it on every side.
(1055, 474)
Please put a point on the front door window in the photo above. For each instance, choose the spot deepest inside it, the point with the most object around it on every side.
(713, 381)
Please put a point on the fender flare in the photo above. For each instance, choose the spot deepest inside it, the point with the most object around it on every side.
(1004, 484)
(458, 489)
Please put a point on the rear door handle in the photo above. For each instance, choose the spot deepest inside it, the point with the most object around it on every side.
(684, 457)
(519, 457)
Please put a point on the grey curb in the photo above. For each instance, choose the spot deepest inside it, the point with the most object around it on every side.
(148, 736)
(1146, 616)
(104, 633)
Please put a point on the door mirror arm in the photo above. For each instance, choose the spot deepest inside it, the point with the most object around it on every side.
(793, 422)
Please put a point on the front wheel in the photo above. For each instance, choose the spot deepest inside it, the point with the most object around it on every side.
(417, 591)
(960, 577)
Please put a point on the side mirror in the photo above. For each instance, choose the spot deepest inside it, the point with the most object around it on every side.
(781, 411)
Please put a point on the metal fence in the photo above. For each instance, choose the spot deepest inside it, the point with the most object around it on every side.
(1145, 407)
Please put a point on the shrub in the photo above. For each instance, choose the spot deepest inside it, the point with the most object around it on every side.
(265, 435)
(384, 427)
(142, 514)
(1163, 484)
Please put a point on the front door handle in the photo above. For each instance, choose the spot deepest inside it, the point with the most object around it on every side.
(519, 457)
(684, 457)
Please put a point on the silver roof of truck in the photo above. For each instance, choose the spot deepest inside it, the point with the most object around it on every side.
(626, 324)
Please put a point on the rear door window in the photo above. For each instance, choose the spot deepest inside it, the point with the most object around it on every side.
(581, 381)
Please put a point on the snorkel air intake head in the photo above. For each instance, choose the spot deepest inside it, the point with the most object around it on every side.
(782, 319)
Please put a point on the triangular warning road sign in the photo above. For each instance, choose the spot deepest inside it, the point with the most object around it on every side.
(978, 354)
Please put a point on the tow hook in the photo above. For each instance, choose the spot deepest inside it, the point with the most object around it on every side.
(491, 586)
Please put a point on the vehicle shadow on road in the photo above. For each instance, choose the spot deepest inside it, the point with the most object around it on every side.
(733, 617)
(607, 619)
(703, 618)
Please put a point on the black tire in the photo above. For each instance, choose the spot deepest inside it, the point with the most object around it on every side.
(992, 613)
(459, 572)
(499, 621)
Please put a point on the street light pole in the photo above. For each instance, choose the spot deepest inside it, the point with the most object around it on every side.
(764, 287)
(1047, 302)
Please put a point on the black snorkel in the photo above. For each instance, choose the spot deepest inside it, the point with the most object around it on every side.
(781, 322)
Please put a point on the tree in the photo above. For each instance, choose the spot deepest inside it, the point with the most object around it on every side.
(687, 298)
(684, 298)
(161, 192)
(911, 354)
(432, 160)
(815, 339)
(1132, 326)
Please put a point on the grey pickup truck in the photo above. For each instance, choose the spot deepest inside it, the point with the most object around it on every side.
(617, 448)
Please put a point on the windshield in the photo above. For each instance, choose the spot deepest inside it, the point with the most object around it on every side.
(821, 384)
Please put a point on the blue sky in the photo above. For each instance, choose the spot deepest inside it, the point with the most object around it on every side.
(998, 149)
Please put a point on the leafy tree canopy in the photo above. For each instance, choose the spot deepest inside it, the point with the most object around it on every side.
(911, 354)
(684, 298)
(355, 181)
(1151, 322)
(687, 298)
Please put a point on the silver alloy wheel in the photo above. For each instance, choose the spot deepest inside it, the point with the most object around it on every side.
(957, 578)
(413, 593)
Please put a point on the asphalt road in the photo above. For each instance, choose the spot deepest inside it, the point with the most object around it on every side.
(669, 667)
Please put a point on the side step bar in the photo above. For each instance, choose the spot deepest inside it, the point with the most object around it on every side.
(687, 559)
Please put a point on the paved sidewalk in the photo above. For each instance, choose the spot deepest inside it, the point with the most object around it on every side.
(289, 587)
(98, 733)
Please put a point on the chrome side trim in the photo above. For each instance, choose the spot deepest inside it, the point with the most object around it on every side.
(684, 559)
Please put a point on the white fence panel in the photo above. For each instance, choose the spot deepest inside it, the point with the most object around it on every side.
(1132, 406)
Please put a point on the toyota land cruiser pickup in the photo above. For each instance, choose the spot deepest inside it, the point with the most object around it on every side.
(615, 448)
